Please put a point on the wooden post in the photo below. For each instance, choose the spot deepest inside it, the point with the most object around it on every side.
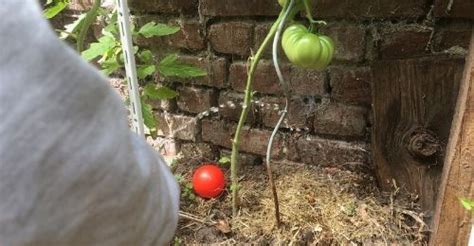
(414, 102)
(452, 223)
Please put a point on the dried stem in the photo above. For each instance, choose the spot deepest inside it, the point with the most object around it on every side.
(283, 113)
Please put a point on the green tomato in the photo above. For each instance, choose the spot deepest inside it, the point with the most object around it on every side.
(306, 49)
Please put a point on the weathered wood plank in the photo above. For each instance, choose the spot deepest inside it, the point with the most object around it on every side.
(413, 103)
(452, 223)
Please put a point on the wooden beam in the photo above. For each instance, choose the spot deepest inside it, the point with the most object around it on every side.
(452, 223)
(414, 102)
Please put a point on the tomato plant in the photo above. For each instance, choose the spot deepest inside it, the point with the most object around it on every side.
(306, 49)
(107, 52)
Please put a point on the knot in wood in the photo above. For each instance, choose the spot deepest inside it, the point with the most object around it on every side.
(422, 143)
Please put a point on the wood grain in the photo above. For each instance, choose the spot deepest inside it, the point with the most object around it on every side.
(452, 223)
(413, 103)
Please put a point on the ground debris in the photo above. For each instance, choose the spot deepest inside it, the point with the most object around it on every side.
(319, 206)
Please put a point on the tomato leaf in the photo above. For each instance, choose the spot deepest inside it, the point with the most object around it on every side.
(152, 29)
(224, 160)
(161, 93)
(110, 65)
(145, 56)
(72, 28)
(148, 117)
(55, 9)
(145, 70)
(99, 48)
(171, 67)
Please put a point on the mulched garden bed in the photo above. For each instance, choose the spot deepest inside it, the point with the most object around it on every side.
(319, 206)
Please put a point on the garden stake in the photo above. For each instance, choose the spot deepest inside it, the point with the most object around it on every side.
(130, 67)
(129, 58)
(283, 83)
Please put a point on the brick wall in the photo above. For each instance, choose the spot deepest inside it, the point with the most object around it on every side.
(330, 112)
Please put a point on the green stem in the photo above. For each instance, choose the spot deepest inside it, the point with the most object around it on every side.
(243, 116)
(309, 15)
(90, 17)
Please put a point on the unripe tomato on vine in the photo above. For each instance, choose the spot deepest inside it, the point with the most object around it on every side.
(306, 49)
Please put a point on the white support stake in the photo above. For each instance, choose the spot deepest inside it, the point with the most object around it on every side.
(130, 67)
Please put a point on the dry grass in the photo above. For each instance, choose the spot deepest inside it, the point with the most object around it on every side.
(318, 206)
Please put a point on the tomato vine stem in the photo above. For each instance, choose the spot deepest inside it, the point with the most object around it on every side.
(90, 17)
(245, 109)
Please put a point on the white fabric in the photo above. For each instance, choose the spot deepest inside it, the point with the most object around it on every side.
(71, 172)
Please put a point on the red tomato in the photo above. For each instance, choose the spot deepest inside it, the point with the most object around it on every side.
(208, 181)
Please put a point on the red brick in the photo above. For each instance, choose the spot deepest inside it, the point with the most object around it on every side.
(307, 82)
(240, 7)
(349, 9)
(322, 152)
(166, 146)
(196, 100)
(198, 150)
(349, 41)
(458, 9)
(340, 120)
(299, 110)
(80, 5)
(167, 105)
(230, 107)
(217, 132)
(231, 37)
(351, 85)
(165, 6)
(256, 141)
(265, 77)
(261, 31)
(453, 35)
(190, 36)
(252, 140)
(177, 126)
(404, 42)
(244, 158)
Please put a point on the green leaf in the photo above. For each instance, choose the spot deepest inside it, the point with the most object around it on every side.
(99, 48)
(73, 27)
(110, 65)
(152, 29)
(171, 67)
(179, 178)
(145, 70)
(467, 203)
(162, 93)
(148, 116)
(224, 160)
(146, 56)
(112, 27)
(55, 9)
